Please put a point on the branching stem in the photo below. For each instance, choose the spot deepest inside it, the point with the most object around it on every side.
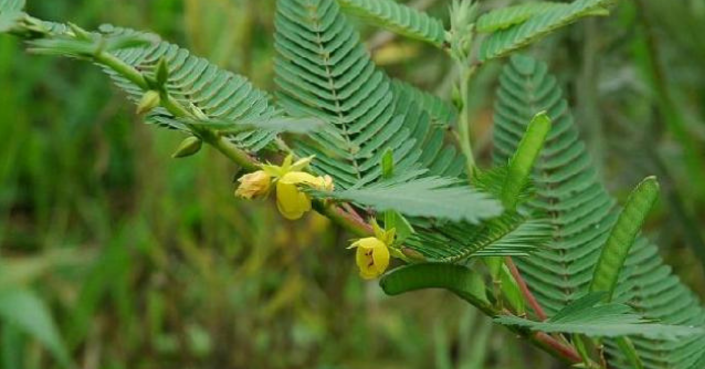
(349, 221)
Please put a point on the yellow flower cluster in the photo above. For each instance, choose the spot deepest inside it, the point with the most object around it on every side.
(373, 253)
(372, 256)
(289, 177)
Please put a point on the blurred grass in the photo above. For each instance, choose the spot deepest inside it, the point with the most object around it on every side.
(148, 262)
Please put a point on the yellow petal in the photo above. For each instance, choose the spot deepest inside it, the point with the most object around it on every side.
(380, 255)
(292, 203)
(372, 257)
(362, 258)
(296, 178)
(365, 261)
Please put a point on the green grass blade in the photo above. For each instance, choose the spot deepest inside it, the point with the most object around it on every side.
(28, 313)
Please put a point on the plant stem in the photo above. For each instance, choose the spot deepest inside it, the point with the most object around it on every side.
(464, 139)
(122, 68)
(530, 298)
(349, 221)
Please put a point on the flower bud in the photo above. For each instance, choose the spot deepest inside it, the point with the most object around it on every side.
(149, 101)
(254, 185)
(189, 146)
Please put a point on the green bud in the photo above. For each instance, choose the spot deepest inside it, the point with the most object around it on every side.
(189, 146)
(162, 73)
(456, 97)
(150, 100)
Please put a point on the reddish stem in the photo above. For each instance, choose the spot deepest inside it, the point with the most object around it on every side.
(560, 349)
(530, 298)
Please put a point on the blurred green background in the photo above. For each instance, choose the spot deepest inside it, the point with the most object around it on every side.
(147, 262)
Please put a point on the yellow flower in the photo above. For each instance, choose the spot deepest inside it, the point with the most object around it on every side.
(291, 201)
(372, 257)
(254, 185)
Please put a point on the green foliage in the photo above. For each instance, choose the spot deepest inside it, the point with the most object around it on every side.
(11, 5)
(432, 197)
(398, 18)
(275, 124)
(503, 18)
(501, 43)
(458, 279)
(522, 163)
(322, 70)
(207, 91)
(356, 117)
(589, 316)
(509, 234)
(582, 214)
(622, 237)
(442, 113)
(204, 88)
(26, 311)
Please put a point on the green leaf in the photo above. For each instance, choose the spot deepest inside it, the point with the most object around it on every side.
(503, 18)
(614, 253)
(398, 18)
(11, 5)
(9, 20)
(69, 45)
(582, 213)
(196, 84)
(522, 162)
(432, 197)
(323, 70)
(508, 235)
(27, 312)
(458, 279)
(627, 347)
(503, 42)
(442, 113)
(589, 316)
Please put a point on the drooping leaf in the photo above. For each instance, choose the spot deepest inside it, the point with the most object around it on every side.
(503, 42)
(27, 312)
(398, 18)
(589, 316)
(431, 197)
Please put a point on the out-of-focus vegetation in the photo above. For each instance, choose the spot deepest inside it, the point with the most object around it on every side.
(148, 262)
